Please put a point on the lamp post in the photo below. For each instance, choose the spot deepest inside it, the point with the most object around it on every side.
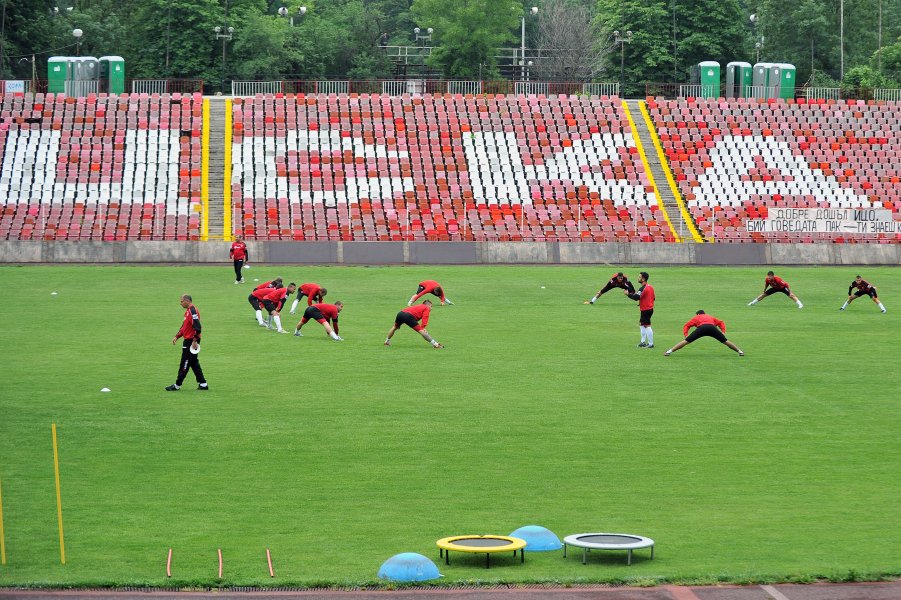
(224, 34)
(424, 37)
(622, 40)
(284, 12)
(522, 39)
(758, 43)
(77, 33)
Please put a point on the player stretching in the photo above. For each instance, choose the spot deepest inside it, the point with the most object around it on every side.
(773, 285)
(864, 288)
(645, 297)
(429, 287)
(411, 316)
(312, 291)
(322, 314)
(705, 326)
(617, 281)
(273, 300)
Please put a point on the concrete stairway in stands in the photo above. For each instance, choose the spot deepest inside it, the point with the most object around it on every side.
(667, 199)
(217, 169)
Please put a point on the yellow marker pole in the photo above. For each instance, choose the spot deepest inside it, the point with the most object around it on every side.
(227, 228)
(59, 498)
(664, 164)
(205, 172)
(2, 538)
(647, 169)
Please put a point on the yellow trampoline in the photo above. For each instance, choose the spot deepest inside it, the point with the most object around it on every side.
(476, 544)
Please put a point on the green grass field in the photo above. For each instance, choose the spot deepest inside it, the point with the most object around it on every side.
(782, 465)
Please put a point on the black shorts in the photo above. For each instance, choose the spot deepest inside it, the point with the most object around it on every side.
(645, 317)
(612, 286)
(405, 318)
(772, 291)
(254, 302)
(707, 330)
(871, 293)
(313, 314)
(273, 306)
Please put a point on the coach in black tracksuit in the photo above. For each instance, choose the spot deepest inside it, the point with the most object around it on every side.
(190, 332)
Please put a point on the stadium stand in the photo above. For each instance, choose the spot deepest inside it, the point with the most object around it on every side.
(100, 167)
(439, 167)
(736, 159)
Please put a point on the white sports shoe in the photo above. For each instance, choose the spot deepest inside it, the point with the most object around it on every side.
(281, 331)
(800, 305)
(264, 325)
(339, 339)
(298, 334)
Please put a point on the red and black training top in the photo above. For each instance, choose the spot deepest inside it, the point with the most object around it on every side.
(645, 297)
(238, 251)
(268, 284)
(311, 291)
(777, 283)
(863, 285)
(703, 320)
(620, 283)
(274, 295)
(330, 312)
(190, 327)
(421, 312)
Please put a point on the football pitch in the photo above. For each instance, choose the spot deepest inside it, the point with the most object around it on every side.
(779, 465)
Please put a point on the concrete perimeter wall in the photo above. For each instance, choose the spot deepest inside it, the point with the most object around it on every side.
(432, 253)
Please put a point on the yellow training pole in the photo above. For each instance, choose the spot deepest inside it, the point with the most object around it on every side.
(2, 542)
(59, 498)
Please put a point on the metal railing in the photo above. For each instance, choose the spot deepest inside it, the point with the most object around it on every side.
(601, 89)
(165, 86)
(817, 93)
(887, 95)
(252, 88)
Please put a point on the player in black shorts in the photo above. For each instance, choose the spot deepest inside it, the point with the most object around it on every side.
(618, 280)
(861, 287)
(705, 326)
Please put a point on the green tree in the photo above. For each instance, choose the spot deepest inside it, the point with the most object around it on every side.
(468, 32)
(647, 57)
(174, 38)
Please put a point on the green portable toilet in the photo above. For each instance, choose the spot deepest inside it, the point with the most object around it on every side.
(739, 77)
(710, 78)
(58, 71)
(112, 74)
(760, 80)
(787, 81)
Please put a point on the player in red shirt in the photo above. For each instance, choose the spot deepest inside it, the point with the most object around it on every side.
(773, 285)
(275, 283)
(411, 316)
(618, 280)
(705, 326)
(323, 313)
(645, 297)
(240, 255)
(429, 287)
(190, 348)
(272, 300)
(312, 291)
(864, 288)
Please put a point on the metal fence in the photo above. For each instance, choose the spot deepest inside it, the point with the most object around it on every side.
(252, 88)
(166, 86)
(887, 95)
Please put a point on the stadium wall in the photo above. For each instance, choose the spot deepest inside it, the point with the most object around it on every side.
(487, 253)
